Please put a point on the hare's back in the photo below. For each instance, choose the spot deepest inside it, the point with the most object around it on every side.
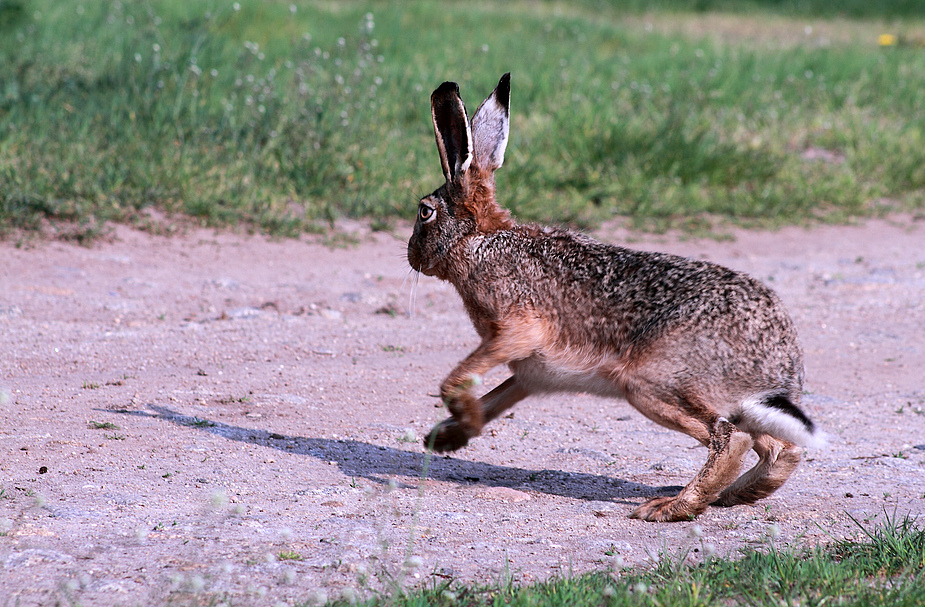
(606, 294)
(640, 283)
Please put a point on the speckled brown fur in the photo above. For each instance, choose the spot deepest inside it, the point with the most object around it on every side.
(694, 346)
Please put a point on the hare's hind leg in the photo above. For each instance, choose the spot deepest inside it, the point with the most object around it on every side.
(727, 445)
(777, 460)
(452, 434)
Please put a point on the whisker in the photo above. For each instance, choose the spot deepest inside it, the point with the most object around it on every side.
(405, 279)
(413, 297)
(412, 294)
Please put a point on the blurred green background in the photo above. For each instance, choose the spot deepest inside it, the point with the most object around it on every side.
(282, 117)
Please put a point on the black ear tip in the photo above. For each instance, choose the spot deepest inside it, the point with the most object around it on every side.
(445, 89)
(503, 92)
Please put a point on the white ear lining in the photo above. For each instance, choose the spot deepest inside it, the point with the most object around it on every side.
(465, 165)
(491, 127)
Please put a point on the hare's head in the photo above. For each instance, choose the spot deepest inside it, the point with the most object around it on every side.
(465, 205)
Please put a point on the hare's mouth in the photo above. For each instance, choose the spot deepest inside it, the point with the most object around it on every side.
(425, 270)
(416, 261)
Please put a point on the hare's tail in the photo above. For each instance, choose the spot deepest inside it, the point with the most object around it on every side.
(776, 414)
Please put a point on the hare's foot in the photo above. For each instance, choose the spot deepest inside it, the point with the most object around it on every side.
(448, 435)
(470, 415)
(667, 509)
(777, 460)
(727, 446)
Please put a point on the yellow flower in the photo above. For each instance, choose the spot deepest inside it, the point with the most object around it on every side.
(886, 40)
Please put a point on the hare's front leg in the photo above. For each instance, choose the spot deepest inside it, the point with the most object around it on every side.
(728, 446)
(470, 414)
(450, 435)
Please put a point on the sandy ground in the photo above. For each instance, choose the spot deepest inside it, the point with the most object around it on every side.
(213, 417)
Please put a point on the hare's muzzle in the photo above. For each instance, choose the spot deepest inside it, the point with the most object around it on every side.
(414, 255)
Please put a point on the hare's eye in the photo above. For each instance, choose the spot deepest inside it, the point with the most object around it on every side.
(426, 213)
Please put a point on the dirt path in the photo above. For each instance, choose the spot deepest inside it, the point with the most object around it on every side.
(224, 416)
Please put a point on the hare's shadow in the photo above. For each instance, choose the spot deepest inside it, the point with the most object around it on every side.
(378, 463)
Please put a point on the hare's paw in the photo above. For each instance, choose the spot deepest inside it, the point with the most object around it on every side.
(448, 435)
(666, 510)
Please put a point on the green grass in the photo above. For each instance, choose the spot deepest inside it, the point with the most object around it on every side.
(289, 555)
(282, 120)
(102, 425)
(858, 9)
(887, 567)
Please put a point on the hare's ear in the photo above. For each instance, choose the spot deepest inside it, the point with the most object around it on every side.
(491, 125)
(451, 125)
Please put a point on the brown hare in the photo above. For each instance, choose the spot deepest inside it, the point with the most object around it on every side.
(693, 346)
